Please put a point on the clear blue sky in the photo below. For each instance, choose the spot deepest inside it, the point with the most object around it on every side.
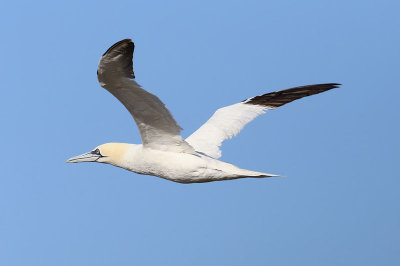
(339, 151)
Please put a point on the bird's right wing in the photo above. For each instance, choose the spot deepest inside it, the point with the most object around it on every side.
(158, 128)
(228, 121)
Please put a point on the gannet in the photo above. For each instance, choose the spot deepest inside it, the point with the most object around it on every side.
(164, 153)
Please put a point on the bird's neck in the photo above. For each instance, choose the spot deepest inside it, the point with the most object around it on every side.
(119, 154)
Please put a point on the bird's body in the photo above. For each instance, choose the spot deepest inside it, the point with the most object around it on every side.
(179, 167)
(164, 153)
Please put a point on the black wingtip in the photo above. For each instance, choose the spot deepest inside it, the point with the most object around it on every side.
(334, 85)
(118, 44)
(279, 98)
(125, 48)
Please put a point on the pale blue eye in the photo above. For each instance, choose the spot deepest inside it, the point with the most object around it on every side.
(96, 151)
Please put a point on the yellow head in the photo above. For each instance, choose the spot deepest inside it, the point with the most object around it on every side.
(111, 153)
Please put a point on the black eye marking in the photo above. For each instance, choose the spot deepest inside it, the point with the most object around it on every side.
(96, 151)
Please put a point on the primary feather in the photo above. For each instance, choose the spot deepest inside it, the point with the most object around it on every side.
(158, 128)
(230, 120)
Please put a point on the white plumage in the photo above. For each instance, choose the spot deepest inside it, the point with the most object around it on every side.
(226, 123)
(164, 152)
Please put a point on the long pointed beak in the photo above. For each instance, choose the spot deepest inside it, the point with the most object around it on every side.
(86, 157)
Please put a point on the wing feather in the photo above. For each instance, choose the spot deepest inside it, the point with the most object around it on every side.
(158, 128)
(228, 121)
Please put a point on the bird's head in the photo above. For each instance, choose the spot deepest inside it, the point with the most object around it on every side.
(111, 153)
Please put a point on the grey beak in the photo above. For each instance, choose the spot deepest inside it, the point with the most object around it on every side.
(86, 157)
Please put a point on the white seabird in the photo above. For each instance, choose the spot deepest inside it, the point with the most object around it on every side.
(164, 153)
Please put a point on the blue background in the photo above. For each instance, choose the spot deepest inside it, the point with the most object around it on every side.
(339, 151)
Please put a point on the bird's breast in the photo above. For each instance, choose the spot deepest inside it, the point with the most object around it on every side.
(169, 165)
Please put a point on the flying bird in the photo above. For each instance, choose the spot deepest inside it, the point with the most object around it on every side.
(164, 153)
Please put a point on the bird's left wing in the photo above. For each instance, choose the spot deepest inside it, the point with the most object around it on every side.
(158, 128)
(227, 122)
